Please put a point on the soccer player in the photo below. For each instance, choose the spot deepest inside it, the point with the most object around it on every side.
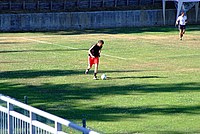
(181, 20)
(93, 57)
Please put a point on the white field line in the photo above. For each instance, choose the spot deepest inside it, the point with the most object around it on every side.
(175, 56)
(45, 42)
(15, 37)
(116, 57)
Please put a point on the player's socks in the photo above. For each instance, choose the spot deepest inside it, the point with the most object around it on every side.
(95, 76)
(181, 37)
(86, 71)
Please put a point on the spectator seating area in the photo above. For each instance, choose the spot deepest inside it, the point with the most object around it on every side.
(72, 5)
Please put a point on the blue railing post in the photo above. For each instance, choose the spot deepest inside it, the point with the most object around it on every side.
(84, 123)
(10, 120)
(25, 100)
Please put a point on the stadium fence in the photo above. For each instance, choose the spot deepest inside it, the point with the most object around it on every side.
(20, 118)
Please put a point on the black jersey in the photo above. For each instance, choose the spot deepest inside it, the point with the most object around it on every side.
(95, 50)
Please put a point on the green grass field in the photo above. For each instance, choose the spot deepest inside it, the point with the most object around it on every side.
(153, 83)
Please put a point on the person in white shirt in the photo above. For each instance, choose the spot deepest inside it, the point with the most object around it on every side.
(181, 21)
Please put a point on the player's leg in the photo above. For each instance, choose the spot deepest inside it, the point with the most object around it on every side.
(96, 64)
(181, 31)
(96, 70)
(180, 34)
(90, 63)
(184, 30)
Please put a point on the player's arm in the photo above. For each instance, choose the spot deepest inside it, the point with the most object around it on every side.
(186, 21)
(90, 51)
(178, 19)
(99, 53)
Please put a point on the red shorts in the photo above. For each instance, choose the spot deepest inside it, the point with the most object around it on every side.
(93, 61)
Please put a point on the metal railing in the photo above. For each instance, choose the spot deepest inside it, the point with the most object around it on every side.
(19, 118)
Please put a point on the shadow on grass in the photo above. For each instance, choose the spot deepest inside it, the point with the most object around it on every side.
(121, 71)
(54, 50)
(133, 77)
(52, 73)
(11, 43)
(34, 73)
(110, 113)
(63, 99)
(8, 62)
(128, 30)
(112, 31)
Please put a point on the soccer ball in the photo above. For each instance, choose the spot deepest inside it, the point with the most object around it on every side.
(103, 77)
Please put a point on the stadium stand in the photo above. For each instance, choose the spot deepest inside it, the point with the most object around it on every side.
(74, 5)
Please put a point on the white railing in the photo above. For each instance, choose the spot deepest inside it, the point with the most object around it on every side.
(27, 121)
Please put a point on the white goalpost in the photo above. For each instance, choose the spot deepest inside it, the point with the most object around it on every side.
(180, 7)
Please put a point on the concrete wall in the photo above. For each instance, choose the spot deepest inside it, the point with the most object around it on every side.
(88, 20)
